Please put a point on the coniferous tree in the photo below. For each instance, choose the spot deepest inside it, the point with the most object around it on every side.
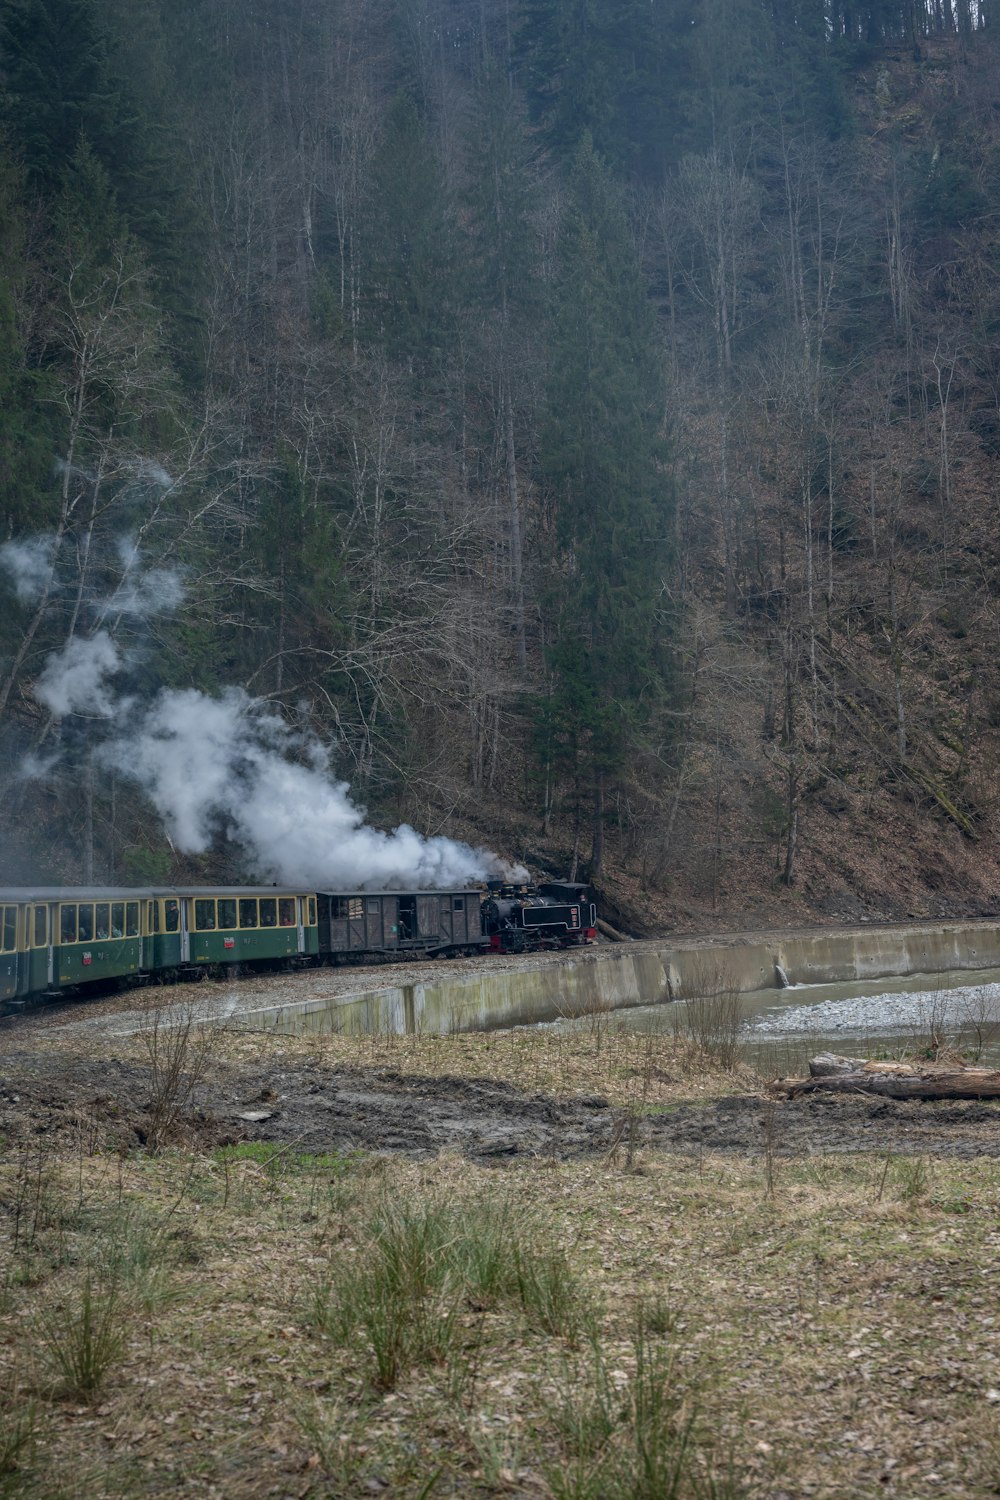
(602, 456)
(57, 85)
(597, 67)
(416, 271)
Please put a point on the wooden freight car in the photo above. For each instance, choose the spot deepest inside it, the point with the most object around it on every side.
(392, 924)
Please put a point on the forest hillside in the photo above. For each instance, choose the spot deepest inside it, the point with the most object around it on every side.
(574, 427)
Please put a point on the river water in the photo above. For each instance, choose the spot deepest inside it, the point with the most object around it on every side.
(781, 1029)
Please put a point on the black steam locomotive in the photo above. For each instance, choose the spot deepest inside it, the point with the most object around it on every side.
(520, 918)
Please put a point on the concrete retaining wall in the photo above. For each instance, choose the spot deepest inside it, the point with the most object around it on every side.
(611, 978)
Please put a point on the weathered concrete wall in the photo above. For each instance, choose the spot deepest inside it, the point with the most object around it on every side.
(604, 979)
(598, 980)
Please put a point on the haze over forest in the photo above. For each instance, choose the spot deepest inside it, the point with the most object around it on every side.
(580, 416)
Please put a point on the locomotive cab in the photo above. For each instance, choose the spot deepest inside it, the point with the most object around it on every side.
(520, 918)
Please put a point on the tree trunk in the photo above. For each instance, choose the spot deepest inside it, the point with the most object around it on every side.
(515, 528)
(597, 841)
(972, 1083)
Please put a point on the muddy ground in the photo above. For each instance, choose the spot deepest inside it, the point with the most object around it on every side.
(51, 1098)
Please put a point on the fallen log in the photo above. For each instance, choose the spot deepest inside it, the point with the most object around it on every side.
(962, 1083)
(611, 933)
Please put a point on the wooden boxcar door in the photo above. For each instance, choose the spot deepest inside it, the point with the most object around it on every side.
(428, 922)
(373, 922)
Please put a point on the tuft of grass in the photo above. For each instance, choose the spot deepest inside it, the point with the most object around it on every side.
(912, 1179)
(424, 1266)
(81, 1343)
(18, 1431)
(654, 1315)
(634, 1437)
(335, 1435)
(399, 1296)
(553, 1295)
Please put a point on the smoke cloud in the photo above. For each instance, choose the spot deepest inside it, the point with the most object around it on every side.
(75, 679)
(228, 765)
(155, 591)
(28, 564)
(155, 473)
(224, 764)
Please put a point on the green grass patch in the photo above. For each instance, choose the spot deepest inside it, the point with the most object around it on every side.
(272, 1156)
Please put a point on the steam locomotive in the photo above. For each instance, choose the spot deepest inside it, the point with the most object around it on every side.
(56, 941)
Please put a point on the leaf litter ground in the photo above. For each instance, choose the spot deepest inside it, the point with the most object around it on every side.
(819, 1278)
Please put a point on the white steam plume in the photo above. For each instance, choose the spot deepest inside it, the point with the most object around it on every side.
(223, 764)
(155, 473)
(75, 679)
(36, 767)
(142, 594)
(29, 565)
(139, 593)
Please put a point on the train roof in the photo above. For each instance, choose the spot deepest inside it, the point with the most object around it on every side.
(26, 894)
(232, 890)
(22, 895)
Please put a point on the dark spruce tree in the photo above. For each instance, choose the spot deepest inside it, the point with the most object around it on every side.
(415, 274)
(603, 457)
(594, 66)
(57, 86)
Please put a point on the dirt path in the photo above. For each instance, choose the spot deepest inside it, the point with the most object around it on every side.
(46, 1097)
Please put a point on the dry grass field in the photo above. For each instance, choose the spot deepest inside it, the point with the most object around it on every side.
(232, 1310)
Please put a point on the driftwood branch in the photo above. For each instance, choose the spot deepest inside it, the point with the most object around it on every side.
(943, 1086)
(892, 1080)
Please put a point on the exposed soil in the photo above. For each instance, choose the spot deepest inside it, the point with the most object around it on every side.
(349, 1108)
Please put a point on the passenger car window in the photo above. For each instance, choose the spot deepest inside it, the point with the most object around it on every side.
(101, 921)
(67, 924)
(85, 930)
(9, 929)
(268, 912)
(132, 919)
(171, 915)
(248, 912)
(227, 912)
(286, 911)
(118, 919)
(204, 916)
(41, 926)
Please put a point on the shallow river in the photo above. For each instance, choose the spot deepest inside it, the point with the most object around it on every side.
(782, 1029)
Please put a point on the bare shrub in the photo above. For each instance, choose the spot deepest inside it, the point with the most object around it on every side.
(180, 1046)
(979, 1018)
(712, 1017)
